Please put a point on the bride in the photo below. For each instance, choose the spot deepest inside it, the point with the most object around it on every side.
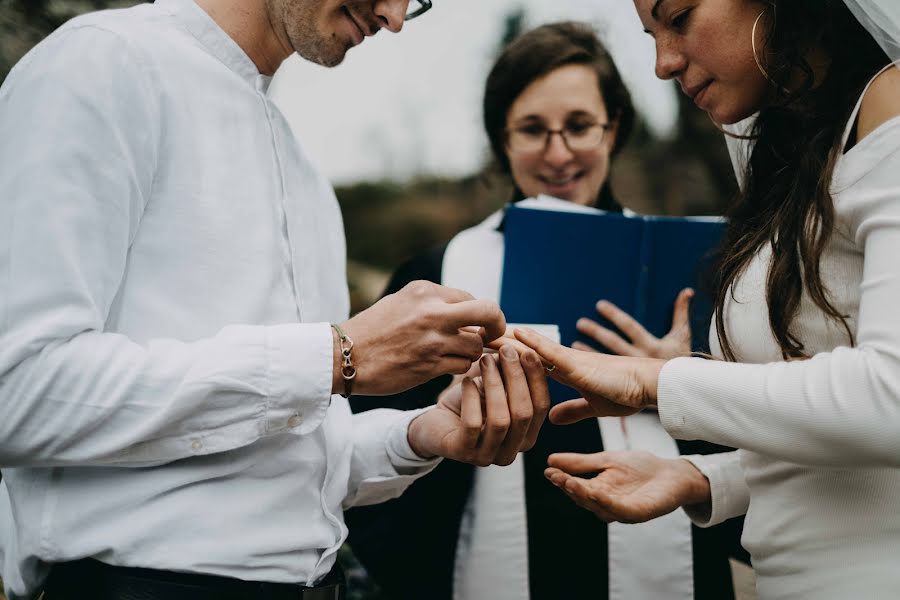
(806, 334)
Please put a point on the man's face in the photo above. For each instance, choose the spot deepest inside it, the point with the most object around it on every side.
(323, 30)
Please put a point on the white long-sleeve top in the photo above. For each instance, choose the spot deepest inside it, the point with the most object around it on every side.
(169, 263)
(820, 438)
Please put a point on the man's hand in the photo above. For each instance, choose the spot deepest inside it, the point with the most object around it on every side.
(631, 487)
(640, 342)
(410, 337)
(490, 419)
(610, 386)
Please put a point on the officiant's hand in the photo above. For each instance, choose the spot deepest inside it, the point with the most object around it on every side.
(639, 342)
(490, 418)
(610, 385)
(631, 486)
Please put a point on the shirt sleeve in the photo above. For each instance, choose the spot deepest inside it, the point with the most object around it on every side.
(730, 496)
(79, 123)
(839, 408)
(383, 464)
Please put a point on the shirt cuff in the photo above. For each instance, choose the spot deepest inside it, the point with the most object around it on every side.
(730, 496)
(383, 463)
(300, 364)
(401, 454)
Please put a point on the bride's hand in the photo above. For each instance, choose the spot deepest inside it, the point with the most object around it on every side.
(609, 385)
(629, 487)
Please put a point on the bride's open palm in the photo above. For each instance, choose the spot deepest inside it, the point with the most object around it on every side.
(629, 486)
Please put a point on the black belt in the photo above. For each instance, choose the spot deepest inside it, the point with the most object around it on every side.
(88, 578)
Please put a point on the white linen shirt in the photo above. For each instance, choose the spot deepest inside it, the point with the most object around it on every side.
(151, 197)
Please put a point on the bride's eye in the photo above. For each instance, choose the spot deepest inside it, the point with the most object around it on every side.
(680, 21)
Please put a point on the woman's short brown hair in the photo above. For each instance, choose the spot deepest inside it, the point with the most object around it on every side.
(539, 52)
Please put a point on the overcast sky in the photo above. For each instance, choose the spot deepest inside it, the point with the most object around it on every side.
(408, 104)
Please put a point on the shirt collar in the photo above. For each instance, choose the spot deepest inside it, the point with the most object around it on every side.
(221, 45)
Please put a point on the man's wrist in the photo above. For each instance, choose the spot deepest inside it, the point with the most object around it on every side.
(337, 363)
(696, 488)
(414, 435)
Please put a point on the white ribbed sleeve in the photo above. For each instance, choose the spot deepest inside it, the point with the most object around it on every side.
(840, 408)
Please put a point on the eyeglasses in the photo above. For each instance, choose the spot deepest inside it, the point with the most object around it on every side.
(578, 137)
(417, 8)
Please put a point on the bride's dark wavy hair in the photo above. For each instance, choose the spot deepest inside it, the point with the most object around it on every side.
(786, 200)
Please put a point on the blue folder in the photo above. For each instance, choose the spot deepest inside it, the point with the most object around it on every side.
(558, 264)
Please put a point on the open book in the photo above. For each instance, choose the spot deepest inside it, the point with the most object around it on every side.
(560, 259)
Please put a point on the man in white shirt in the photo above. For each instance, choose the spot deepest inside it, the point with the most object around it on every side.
(170, 262)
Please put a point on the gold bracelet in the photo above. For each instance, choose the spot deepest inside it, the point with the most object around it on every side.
(348, 371)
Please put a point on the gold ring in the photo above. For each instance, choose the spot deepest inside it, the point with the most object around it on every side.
(549, 368)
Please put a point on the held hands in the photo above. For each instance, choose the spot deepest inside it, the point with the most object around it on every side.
(640, 342)
(631, 487)
(490, 418)
(410, 337)
(610, 385)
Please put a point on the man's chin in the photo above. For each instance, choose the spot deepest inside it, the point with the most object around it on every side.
(328, 58)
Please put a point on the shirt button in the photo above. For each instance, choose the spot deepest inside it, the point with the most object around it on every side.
(196, 445)
(295, 421)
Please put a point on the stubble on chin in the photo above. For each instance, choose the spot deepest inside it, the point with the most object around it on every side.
(309, 41)
(325, 51)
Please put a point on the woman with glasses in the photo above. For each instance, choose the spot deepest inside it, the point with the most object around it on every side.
(556, 113)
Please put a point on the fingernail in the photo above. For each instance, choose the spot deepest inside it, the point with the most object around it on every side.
(484, 360)
(601, 304)
(525, 332)
(508, 352)
(582, 322)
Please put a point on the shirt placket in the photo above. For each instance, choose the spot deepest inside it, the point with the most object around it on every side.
(303, 284)
(286, 242)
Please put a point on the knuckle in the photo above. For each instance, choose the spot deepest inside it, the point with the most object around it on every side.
(419, 287)
(430, 346)
(499, 424)
(506, 460)
(492, 310)
(472, 426)
(522, 416)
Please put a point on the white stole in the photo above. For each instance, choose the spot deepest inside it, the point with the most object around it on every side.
(648, 561)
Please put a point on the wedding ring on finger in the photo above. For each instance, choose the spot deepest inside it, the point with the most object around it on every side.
(549, 368)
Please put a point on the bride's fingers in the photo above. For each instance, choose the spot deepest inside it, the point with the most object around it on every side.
(577, 464)
(560, 357)
(572, 411)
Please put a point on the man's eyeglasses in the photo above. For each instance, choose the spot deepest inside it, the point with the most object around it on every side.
(578, 137)
(417, 8)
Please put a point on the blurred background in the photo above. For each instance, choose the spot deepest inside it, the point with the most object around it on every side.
(397, 127)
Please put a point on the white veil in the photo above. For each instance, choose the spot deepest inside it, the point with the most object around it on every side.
(881, 18)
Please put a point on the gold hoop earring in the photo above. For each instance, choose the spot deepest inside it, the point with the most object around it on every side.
(753, 45)
(759, 65)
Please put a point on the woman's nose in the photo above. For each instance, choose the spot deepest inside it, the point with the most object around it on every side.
(669, 60)
(557, 152)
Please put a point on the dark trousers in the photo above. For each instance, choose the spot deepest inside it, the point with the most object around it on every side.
(94, 580)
